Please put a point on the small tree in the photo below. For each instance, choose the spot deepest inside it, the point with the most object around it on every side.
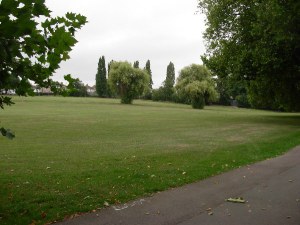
(101, 81)
(195, 86)
(126, 81)
(77, 88)
(136, 64)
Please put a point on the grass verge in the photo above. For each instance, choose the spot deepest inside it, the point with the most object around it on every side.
(73, 154)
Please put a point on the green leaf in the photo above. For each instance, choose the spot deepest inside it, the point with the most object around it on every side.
(7, 133)
(4, 100)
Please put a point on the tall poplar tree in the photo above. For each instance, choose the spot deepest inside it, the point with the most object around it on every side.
(169, 82)
(148, 70)
(101, 81)
(109, 91)
(108, 67)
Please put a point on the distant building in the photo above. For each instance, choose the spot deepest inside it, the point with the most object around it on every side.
(41, 90)
(8, 92)
(91, 90)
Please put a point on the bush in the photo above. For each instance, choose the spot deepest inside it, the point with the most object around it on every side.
(198, 102)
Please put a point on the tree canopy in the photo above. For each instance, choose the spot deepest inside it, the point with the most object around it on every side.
(195, 86)
(257, 42)
(126, 81)
(32, 44)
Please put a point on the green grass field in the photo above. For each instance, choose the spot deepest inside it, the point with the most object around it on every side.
(73, 154)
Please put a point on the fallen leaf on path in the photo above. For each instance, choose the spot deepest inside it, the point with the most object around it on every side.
(236, 200)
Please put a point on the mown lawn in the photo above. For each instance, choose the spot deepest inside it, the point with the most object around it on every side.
(73, 154)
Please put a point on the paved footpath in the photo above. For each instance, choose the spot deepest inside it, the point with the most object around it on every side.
(271, 188)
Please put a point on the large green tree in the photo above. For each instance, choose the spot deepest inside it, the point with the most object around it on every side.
(101, 80)
(258, 42)
(32, 45)
(126, 81)
(169, 82)
(196, 86)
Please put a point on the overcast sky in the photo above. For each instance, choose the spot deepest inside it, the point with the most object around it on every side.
(130, 30)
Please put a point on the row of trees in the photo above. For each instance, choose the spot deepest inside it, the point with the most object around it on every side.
(253, 52)
(194, 85)
(123, 73)
(105, 88)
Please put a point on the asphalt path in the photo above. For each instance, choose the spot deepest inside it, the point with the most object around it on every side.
(271, 189)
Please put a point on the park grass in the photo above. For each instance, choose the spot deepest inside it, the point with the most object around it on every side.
(72, 155)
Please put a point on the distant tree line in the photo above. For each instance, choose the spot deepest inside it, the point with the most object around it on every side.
(195, 84)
